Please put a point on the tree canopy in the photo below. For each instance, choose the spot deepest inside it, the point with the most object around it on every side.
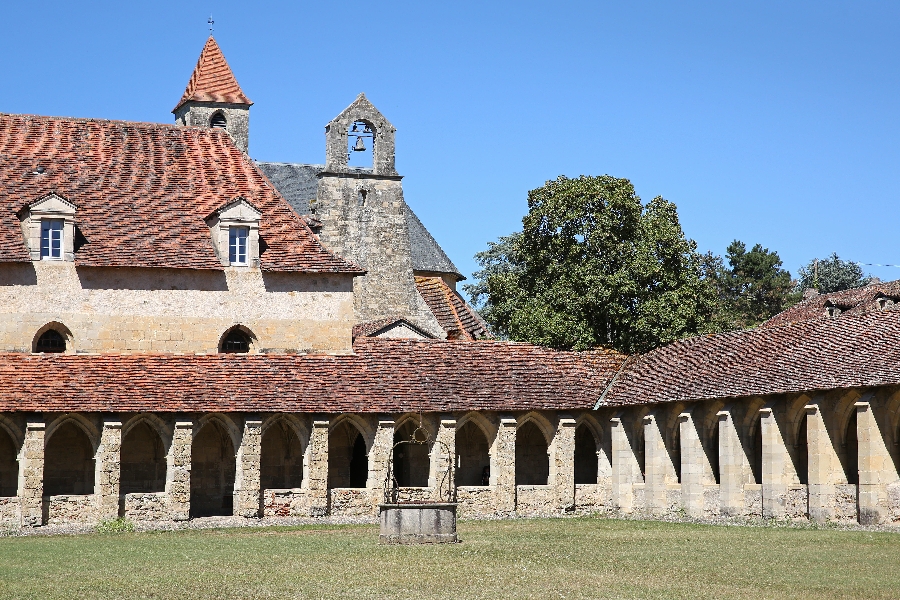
(831, 275)
(595, 267)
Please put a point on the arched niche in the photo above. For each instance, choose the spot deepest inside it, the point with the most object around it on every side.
(68, 460)
(348, 460)
(143, 460)
(532, 458)
(281, 457)
(212, 470)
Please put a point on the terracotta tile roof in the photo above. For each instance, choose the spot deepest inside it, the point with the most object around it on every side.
(817, 354)
(142, 192)
(456, 317)
(386, 375)
(373, 328)
(850, 302)
(212, 80)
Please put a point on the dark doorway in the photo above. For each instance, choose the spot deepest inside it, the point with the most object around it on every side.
(348, 461)
(212, 472)
(281, 458)
(143, 467)
(585, 455)
(69, 462)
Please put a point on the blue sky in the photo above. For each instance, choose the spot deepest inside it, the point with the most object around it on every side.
(773, 122)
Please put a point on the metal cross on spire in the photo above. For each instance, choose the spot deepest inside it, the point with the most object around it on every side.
(211, 22)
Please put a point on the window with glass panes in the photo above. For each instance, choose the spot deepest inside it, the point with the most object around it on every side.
(51, 238)
(237, 245)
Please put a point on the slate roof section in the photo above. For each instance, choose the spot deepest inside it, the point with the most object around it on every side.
(386, 375)
(806, 356)
(454, 315)
(143, 191)
(213, 80)
(298, 184)
(850, 302)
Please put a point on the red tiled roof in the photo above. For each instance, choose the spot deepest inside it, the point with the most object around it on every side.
(452, 313)
(855, 301)
(386, 375)
(142, 192)
(818, 354)
(212, 79)
(371, 328)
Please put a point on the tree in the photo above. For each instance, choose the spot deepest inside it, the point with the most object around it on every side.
(594, 267)
(831, 275)
(752, 288)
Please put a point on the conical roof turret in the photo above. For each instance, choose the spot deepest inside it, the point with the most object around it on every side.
(212, 80)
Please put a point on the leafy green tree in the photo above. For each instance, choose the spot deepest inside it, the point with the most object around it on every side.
(831, 275)
(594, 267)
(753, 287)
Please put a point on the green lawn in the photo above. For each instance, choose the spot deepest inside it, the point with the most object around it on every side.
(540, 558)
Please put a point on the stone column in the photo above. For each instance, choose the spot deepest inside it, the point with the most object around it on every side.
(378, 459)
(657, 466)
(316, 481)
(107, 471)
(563, 464)
(777, 467)
(876, 467)
(439, 479)
(31, 474)
(732, 465)
(626, 471)
(695, 469)
(823, 462)
(503, 466)
(178, 471)
(246, 482)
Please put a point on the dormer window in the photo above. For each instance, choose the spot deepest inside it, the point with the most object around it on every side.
(237, 244)
(49, 227)
(51, 238)
(235, 233)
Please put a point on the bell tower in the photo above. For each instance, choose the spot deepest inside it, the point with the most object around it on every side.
(363, 217)
(213, 98)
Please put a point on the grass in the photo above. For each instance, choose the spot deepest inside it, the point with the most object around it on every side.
(539, 558)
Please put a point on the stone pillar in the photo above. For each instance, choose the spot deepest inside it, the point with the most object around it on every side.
(777, 467)
(316, 480)
(107, 472)
(503, 466)
(440, 480)
(563, 464)
(247, 499)
(695, 469)
(822, 466)
(178, 471)
(626, 471)
(657, 466)
(31, 474)
(876, 467)
(378, 458)
(732, 465)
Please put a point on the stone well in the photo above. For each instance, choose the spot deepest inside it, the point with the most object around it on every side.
(418, 523)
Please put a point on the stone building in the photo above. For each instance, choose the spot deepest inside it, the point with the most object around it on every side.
(186, 332)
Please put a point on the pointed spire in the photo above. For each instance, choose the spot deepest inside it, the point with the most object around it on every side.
(212, 80)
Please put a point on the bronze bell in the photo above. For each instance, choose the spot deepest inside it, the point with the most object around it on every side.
(360, 146)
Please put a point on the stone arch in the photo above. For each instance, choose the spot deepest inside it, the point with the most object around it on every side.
(143, 456)
(69, 457)
(226, 340)
(213, 466)
(348, 453)
(603, 443)
(337, 139)
(533, 450)
(281, 453)
(672, 436)
(798, 444)
(412, 462)
(710, 436)
(473, 450)
(587, 446)
(9, 464)
(218, 120)
(61, 329)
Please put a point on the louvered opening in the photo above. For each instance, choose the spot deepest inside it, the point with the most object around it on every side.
(218, 121)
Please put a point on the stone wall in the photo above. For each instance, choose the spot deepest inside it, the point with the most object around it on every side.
(651, 461)
(172, 310)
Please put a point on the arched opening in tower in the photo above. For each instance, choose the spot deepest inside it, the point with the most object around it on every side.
(69, 462)
(411, 461)
(348, 461)
(281, 458)
(361, 144)
(212, 472)
(472, 457)
(532, 460)
(585, 455)
(143, 466)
